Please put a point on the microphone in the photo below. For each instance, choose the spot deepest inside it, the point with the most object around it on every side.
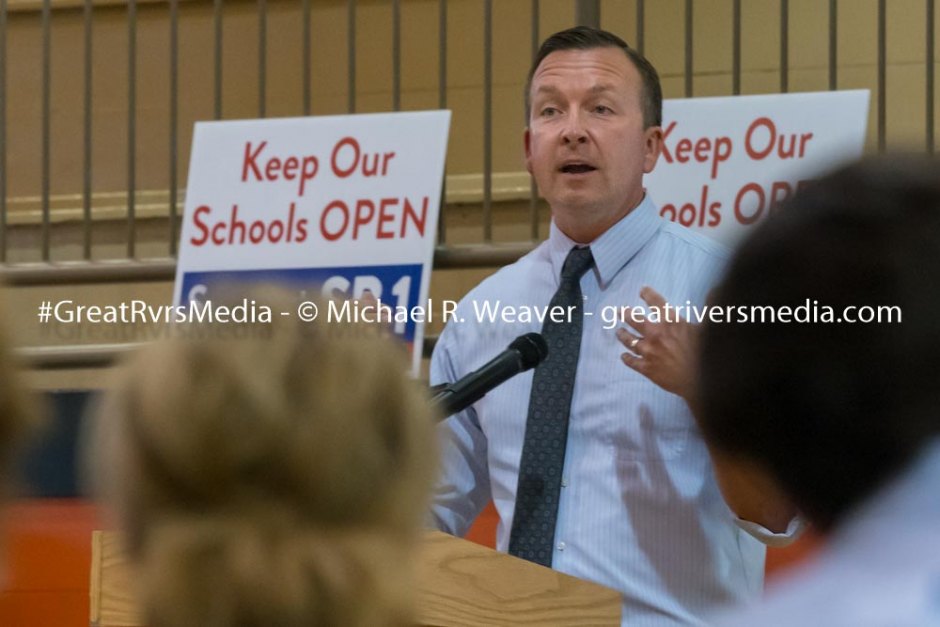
(525, 352)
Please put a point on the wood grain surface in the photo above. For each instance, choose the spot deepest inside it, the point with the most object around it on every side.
(459, 583)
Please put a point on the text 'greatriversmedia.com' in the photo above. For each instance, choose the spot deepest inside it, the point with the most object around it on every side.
(479, 312)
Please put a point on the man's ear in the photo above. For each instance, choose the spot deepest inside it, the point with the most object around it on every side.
(526, 141)
(653, 137)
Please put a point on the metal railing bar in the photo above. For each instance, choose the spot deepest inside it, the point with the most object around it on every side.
(73, 356)
(688, 48)
(87, 15)
(3, 130)
(131, 126)
(127, 271)
(833, 44)
(882, 74)
(174, 120)
(931, 13)
(81, 272)
(736, 48)
(533, 188)
(262, 55)
(217, 56)
(784, 46)
(396, 55)
(588, 13)
(488, 121)
(351, 54)
(442, 104)
(640, 26)
(305, 62)
(46, 130)
(106, 355)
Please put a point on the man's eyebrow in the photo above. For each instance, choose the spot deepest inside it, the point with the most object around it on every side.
(547, 89)
(552, 90)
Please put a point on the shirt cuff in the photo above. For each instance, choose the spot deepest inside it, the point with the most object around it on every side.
(771, 539)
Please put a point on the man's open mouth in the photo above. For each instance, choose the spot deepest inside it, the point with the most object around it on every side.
(577, 168)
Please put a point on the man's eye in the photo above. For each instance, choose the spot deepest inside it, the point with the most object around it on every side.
(603, 109)
(548, 112)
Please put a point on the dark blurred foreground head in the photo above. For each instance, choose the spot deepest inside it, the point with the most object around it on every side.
(269, 475)
(832, 411)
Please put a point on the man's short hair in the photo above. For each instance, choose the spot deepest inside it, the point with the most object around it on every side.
(832, 411)
(587, 38)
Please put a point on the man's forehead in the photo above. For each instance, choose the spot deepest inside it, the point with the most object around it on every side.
(608, 68)
(606, 59)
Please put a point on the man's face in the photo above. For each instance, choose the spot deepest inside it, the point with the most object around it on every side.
(586, 145)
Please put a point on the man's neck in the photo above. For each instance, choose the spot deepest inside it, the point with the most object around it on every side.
(582, 233)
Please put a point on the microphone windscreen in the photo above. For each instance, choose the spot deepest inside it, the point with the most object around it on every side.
(532, 348)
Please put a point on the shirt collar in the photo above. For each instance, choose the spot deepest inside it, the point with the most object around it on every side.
(615, 247)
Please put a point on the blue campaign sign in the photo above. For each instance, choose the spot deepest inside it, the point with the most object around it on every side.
(397, 286)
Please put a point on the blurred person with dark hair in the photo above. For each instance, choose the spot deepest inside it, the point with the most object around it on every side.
(277, 477)
(843, 418)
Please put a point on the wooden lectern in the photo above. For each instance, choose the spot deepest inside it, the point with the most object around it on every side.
(459, 583)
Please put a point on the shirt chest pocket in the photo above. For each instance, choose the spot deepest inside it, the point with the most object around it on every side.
(643, 422)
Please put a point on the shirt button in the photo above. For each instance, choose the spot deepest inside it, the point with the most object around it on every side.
(564, 483)
(561, 546)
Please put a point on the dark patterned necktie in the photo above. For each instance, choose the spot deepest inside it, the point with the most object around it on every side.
(546, 430)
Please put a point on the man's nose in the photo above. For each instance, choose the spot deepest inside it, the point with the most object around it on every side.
(573, 131)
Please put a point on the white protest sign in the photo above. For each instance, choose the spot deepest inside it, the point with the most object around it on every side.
(349, 203)
(727, 162)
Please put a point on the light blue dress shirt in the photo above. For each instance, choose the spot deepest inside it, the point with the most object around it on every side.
(640, 510)
(881, 568)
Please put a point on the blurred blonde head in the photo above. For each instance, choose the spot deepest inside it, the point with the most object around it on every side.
(277, 477)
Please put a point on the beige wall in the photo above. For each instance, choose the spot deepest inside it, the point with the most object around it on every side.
(512, 41)
(511, 53)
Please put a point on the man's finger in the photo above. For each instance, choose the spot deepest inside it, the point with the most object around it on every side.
(637, 321)
(629, 340)
(634, 363)
(652, 297)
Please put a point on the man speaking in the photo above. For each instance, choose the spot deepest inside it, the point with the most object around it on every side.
(596, 470)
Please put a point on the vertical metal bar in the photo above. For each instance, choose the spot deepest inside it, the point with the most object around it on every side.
(131, 125)
(588, 13)
(351, 54)
(688, 48)
(882, 74)
(262, 54)
(442, 55)
(396, 55)
(640, 27)
(487, 121)
(833, 44)
(784, 46)
(306, 53)
(217, 74)
(736, 48)
(86, 143)
(3, 130)
(533, 188)
(930, 75)
(174, 123)
(442, 104)
(46, 130)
